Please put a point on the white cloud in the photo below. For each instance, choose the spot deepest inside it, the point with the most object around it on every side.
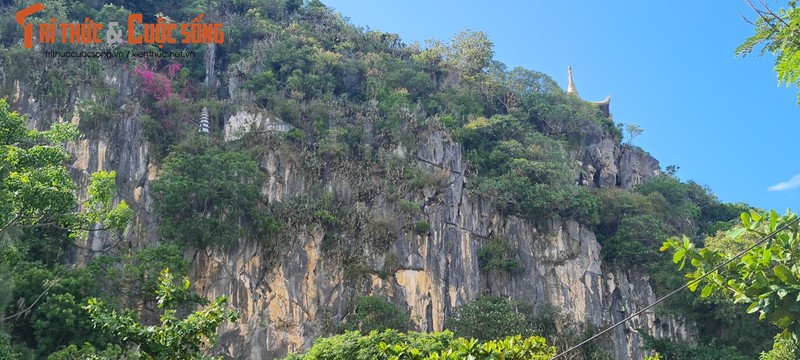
(786, 185)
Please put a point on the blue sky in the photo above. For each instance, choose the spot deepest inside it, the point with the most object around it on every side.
(668, 66)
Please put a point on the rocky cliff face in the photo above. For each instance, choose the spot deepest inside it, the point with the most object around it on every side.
(284, 306)
(605, 164)
(287, 307)
(118, 145)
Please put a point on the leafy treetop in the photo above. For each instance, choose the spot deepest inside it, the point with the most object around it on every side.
(174, 338)
(394, 345)
(766, 277)
(776, 31)
(36, 189)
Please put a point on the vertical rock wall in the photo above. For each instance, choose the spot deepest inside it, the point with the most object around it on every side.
(286, 306)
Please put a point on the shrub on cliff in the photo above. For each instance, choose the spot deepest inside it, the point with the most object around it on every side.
(210, 196)
(374, 313)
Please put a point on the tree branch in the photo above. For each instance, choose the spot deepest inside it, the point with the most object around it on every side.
(24, 311)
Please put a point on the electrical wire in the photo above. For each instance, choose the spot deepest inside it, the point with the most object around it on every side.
(648, 307)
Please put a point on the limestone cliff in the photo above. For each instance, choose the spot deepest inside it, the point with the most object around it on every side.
(288, 306)
(285, 305)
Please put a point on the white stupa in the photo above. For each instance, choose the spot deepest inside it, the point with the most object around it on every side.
(204, 127)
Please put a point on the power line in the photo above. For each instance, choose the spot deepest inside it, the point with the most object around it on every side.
(648, 307)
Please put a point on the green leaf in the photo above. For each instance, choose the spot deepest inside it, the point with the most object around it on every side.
(760, 280)
(752, 308)
(782, 272)
(782, 293)
(735, 233)
(707, 290)
(678, 256)
(745, 219)
(773, 220)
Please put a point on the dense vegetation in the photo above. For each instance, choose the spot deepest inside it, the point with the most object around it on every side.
(393, 345)
(354, 97)
(206, 193)
(51, 309)
(764, 278)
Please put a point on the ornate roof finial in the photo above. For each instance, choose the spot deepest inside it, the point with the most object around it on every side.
(204, 127)
(571, 89)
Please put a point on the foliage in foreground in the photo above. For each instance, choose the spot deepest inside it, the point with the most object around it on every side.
(668, 350)
(174, 338)
(393, 345)
(782, 349)
(497, 318)
(767, 277)
(36, 189)
(39, 217)
(490, 317)
(776, 32)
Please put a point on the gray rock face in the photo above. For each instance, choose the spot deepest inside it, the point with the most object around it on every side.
(285, 307)
(605, 164)
(118, 145)
(244, 122)
(635, 166)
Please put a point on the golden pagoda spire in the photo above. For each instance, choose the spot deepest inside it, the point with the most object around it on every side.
(571, 89)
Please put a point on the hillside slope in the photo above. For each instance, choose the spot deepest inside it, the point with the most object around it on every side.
(427, 175)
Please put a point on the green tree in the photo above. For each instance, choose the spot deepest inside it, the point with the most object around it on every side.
(510, 348)
(631, 132)
(39, 215)
(766, 277)
(393, 345)
(776, 33)
(174, 338)
(470, 52)
(668, 350)
(134, 275)
(490, 318)
(373, 313)
(209, 196)
(88, 352)
(35, 187)
(467, 55)
(497, 254)
(782, 349)
(6, 351)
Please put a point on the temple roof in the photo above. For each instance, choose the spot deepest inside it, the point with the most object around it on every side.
(604, 106)
(604, 102)
(571, 89)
